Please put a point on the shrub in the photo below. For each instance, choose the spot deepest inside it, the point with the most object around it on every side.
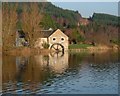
(45, 45)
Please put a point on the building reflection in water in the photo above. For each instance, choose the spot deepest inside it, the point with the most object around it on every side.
(28, 73)
(56, 62)
(21, 63)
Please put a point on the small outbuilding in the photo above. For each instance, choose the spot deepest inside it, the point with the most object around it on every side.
(20, 39)
(57, 40)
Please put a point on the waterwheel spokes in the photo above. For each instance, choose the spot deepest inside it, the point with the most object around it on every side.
(57, 47)
(54, 47)
(57, 54)
(58, 50)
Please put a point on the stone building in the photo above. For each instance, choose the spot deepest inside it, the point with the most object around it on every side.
(57, 40)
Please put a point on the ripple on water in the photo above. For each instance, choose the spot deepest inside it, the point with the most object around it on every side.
(83, 75)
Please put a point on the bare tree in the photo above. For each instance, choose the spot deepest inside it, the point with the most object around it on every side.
(9, 20)
(31, 17)
(0, 25)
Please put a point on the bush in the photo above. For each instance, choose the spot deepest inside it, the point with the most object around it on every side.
(115, 41)
(45, 45)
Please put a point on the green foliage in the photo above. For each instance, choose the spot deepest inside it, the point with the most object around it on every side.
(19, 24)
(47, 22)
(53, 16)
(45, 45)
(80, 38)
(115, 41)
(77, 36)
(105, 19)
(46, 57)
(71, 17)
(77, 46)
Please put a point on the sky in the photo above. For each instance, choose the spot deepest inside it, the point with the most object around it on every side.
(87, 9)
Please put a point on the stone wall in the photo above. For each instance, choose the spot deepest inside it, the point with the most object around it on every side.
(59, 37)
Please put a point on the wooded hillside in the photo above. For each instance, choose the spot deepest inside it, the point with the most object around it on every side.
(32, 17)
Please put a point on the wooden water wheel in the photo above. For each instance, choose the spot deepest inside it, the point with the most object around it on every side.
(57, 50)
(56, 54)
(57, 47)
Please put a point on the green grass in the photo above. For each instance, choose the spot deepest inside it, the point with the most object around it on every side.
(78, 46)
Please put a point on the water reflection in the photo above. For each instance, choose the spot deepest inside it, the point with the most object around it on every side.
(56, 63)
(0, 73)
(61, 73)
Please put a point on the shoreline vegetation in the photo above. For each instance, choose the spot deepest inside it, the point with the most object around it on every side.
(26, 51)
(20, 27)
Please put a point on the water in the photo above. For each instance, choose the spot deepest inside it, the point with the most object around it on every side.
(68, 73)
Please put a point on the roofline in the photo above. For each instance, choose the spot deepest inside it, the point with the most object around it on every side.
(55, 31)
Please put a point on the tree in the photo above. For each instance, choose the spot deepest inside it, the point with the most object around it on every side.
(0, 24)
(76, 36)
(9, 20)
(31, 17)
(47, 22)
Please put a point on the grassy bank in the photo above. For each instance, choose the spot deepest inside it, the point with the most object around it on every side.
(79, 46)
(90, 48)
(26, 51)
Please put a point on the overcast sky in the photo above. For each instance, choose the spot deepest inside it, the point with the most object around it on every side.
(86, 9)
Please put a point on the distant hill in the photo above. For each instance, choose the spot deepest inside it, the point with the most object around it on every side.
(70, 18)
(105, 19)
(61, 17)
(56, 17)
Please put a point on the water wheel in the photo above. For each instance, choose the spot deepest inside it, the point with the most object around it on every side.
(57, 54)
(57, 47)
(57, 50)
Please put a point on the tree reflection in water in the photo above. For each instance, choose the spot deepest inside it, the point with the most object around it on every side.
(40, 72)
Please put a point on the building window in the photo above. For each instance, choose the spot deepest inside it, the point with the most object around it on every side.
(54, 39)
(62, 39)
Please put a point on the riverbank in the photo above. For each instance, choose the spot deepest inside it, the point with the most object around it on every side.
(96, 49)
(26, 51)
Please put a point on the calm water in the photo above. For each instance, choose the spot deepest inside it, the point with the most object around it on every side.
(68, 73)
